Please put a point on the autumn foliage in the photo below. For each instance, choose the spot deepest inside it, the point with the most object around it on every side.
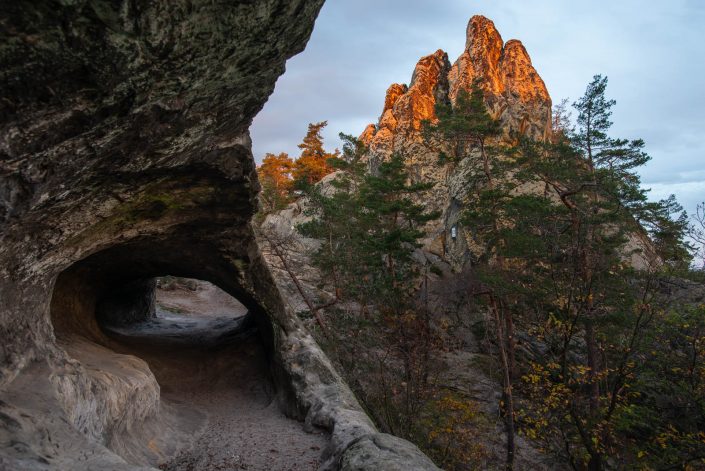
(275, 178)
(280, 176)
(313, 164)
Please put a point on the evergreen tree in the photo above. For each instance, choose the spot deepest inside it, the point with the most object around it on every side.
(696, 232)
(374, 221)
(577, 244)
(369, 225)
(466, 128)
(314, 162)
(463, 126)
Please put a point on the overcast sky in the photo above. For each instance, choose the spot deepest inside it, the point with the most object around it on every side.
(653, 52)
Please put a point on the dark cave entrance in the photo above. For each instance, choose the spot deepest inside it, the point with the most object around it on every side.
(174, 353)
(118, 287)
(154, 295)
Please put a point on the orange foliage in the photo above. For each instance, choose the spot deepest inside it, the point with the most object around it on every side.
(313, 164)
(310, 170)
(279, 175)
(276, 179)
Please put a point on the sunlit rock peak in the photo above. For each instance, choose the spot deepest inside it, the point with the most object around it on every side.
(514, 91)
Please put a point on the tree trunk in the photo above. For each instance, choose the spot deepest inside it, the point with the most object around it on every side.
(592, 364)
(511, 343)
(508, 396)
(595, 463)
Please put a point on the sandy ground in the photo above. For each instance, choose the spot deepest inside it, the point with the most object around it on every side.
(202, 359)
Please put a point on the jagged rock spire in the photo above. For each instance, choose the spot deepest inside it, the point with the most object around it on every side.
(480, 60)
(514, 91)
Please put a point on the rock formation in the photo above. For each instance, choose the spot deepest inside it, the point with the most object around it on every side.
(513, 89)
(514, 93)
(125, 155)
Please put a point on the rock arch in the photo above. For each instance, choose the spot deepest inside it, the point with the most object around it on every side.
(125, 153)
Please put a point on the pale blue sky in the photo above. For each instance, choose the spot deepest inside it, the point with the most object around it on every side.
(653, 52)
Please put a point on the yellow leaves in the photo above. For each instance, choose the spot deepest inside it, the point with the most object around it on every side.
(535, 426)
(452, 431)
(532, 378)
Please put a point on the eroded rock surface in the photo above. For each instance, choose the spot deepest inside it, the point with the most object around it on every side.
(125, 155)
(213, 376)
(514, 93)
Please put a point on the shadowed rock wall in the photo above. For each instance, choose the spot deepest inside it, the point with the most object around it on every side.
(124, 155)
(127, 303)
(125, 123)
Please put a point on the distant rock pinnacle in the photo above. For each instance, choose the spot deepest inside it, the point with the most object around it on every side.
(514, 91)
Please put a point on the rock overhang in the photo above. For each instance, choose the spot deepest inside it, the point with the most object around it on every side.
(124, 154)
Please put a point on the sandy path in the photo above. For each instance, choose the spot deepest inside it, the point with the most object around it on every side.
(200, 363)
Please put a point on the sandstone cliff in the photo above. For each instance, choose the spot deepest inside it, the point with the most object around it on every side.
(125, 155)
(514, 93)
(513, 89)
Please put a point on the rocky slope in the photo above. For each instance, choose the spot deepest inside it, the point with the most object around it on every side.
(125, 155)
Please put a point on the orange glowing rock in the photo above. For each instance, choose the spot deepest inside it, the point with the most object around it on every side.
(514, 91)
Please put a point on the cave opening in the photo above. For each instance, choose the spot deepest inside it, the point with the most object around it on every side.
(173, 311)
(178, 361)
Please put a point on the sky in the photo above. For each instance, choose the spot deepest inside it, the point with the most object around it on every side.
(652, 51)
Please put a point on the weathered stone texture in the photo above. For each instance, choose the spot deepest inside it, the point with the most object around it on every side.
(125, 155)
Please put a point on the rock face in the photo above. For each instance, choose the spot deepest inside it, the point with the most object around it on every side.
(514, 91)
(514, 94)
(125, 155)
(127, 304)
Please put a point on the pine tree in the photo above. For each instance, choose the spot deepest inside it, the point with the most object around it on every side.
(576, 243)
(562, 259)
(466, 128)
(374, 221)
(696, 232)
(370, 225)
(313, 163)
(463, 126)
